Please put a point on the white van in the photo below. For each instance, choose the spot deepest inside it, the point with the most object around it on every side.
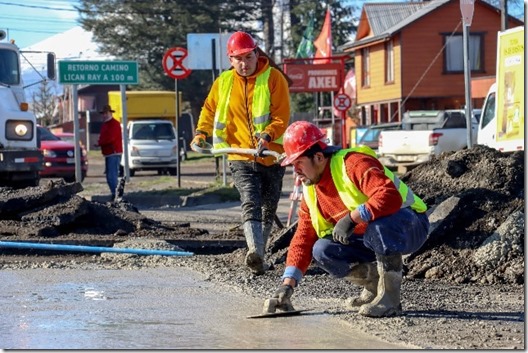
(152, 145)
(507, 138)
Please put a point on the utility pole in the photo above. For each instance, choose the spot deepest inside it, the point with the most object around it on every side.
(504, 15)
(281, 4)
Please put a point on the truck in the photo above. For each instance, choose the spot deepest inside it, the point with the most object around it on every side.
(425, 133)
(20, 157)
(501, 123)
(152, 142)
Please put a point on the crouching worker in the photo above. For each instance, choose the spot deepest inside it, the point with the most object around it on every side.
(356, 220)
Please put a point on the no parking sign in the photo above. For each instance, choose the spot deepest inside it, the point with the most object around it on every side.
(174, 63)
(342, 102)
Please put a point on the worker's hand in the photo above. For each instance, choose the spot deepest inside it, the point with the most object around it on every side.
(263, 143)
(281, 299)
(343, 229)
(198, 140)
(262, 146)
(283, 294)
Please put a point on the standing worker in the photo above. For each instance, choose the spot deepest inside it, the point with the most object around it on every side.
(248, 106)
(356, 219)
(111, 143)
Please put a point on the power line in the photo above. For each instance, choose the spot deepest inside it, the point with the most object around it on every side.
(37, 6)
(39, 19)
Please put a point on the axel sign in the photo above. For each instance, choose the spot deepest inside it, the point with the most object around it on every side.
(314, 78)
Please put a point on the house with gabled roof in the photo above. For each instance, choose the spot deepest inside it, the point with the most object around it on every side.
(409, 56)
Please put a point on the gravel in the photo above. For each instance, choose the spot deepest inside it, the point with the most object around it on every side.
(463, 290)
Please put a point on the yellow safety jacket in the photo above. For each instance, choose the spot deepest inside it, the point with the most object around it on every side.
(351, 196)
(260, 108)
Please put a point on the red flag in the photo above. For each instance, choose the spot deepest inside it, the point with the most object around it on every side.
(323, 43)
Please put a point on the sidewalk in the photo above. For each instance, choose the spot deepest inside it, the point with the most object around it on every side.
(195, 174)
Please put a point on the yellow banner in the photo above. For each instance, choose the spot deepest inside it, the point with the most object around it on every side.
(510, 85)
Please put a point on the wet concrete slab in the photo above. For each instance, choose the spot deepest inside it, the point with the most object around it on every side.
(154, 308)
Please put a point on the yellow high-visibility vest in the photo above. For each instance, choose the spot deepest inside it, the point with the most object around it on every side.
(351, 196)
(260, 108)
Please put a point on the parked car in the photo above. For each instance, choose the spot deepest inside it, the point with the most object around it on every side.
(477, 113)
(70, 137)
(371, 136)
(425, 133)
(59, 157)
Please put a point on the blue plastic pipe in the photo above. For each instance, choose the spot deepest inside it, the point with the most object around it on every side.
(98, 249)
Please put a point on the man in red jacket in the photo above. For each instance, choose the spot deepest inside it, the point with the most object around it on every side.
(111, 143)
(356, 219)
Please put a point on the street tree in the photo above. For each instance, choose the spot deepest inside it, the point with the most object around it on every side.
(44, 103)
(144, 30)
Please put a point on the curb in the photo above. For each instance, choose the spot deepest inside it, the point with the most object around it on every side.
(154, 201)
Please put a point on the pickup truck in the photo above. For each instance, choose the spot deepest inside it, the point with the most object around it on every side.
(371, 135)
(425, 133)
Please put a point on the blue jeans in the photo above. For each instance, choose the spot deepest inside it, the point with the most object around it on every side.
(401, 233)
(112, 172)
(260, 189)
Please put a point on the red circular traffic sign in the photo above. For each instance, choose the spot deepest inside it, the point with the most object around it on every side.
(342, 102)
(174, 63)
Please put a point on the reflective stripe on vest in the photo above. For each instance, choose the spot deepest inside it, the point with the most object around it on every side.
(351, 196)
(260, 108)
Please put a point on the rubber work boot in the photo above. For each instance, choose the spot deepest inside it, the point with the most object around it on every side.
(365, 275)
(266, 232)
(387, 302)
(255, 242)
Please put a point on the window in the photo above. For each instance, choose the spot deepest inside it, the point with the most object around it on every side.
(454, 52)
(365, 67)
(488, 111)
(455, 121)
(389, 62)
(142, 132)
(164, 132)
(9, 71)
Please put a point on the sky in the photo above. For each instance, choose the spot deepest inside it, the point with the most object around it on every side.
(31, 21)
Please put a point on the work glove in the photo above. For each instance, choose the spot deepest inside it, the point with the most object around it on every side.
(263, 144)
(343, 229)
(198, 140)
(283, 295)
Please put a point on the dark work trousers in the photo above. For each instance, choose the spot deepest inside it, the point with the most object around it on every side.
(401, 233)
(259, 187)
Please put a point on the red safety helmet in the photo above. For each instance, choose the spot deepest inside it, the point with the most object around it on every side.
(299, 137)
(240, 43)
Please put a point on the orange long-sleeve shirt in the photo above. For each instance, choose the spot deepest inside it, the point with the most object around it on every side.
(240, 130)
(367, 174)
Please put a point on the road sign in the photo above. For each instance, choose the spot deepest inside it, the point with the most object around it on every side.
(98, 72)
(201, 53)
(342, 102)
(175, 63)
(467, 8)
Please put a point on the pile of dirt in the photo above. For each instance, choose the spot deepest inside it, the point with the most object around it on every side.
(481, 236)
(54, 211)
